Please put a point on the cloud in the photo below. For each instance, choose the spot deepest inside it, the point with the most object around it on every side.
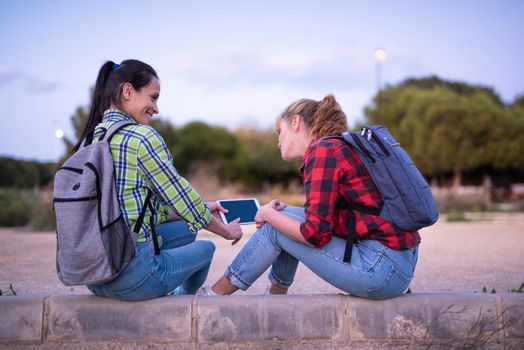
(7, 77)
(316, 71)
(31, 84)
(41, 86)
(231, 88)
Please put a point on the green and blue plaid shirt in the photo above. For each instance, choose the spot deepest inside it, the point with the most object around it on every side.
(142, 161)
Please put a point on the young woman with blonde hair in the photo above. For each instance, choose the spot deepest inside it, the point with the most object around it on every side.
(383, 256)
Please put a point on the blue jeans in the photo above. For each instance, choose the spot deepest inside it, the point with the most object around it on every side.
(183, 263)
(375, 271)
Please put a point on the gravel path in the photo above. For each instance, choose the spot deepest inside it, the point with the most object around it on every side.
(466, 256)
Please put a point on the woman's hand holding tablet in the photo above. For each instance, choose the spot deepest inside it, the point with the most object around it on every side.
(245, 209)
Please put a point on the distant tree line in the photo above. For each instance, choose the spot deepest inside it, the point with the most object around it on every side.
(246, 157)
(455, 132)
(25, 174)
(452, 129)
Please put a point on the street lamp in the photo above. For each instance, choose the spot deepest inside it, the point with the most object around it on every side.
(380, 55)
(59, 133)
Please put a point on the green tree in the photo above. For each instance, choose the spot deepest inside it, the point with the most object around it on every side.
(445, 129)
(201, 145)
(25, 174)
(432, 82)
(262, 164)
(167, 130)
(508, 149)
(519, 102)
(192, 146)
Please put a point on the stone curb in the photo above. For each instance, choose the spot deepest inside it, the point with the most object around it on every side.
(440, 320)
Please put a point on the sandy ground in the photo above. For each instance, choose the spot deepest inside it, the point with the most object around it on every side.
(466, 256)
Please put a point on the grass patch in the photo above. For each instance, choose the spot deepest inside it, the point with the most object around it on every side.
(456, 215)
(10, 291)
(513, 290)
(519, 290)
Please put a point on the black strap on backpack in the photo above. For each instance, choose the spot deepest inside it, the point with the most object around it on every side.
(350, 239)
(140, 221)
(350, 226)
(153, 229)
(109, 132)
(114, 128)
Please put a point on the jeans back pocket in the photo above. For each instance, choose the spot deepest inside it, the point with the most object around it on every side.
(393, 285)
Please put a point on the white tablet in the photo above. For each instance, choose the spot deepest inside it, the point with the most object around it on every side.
(245, 209)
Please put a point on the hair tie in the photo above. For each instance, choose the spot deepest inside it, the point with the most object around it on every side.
(115, 66)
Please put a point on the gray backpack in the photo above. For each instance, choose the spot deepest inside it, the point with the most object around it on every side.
(407, 197)
(94, 243)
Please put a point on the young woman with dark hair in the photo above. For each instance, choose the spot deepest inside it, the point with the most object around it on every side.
(130, 91)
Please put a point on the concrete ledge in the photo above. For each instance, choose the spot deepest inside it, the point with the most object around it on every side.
(90, 318)
(263, 318)
(436, 320)
(21, 319)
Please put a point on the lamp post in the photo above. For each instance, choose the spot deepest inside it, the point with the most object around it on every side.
(380, 55)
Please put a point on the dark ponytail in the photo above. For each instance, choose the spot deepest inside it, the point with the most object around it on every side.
(108, 88)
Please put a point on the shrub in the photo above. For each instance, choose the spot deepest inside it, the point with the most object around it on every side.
(42, 214)
(15, 206)
(33, 208)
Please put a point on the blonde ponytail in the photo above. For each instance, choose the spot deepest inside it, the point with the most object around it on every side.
(322, 118)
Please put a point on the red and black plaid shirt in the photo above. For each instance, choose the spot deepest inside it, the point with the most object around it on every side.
(333, 175)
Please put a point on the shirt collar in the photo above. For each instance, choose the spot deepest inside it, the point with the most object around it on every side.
(301, 169)
(306, 156)
(115, 115)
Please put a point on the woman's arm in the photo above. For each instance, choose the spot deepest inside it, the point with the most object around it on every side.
(232, 231)
(321, 182)
(155, 162)
(271, 213)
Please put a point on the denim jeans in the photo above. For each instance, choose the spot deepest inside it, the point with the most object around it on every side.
(375, 271)
(183, 263)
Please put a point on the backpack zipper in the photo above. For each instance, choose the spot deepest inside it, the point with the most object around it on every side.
(362, 147)
(370, 134)
(79, 199)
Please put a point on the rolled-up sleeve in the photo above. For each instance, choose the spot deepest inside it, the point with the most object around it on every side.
(155, 161)
(321, 180)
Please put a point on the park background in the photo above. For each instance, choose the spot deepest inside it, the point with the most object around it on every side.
(446, 78)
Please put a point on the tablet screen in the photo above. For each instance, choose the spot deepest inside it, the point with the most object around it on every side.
(245, 209)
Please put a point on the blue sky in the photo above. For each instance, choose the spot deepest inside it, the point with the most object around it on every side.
(239, 63)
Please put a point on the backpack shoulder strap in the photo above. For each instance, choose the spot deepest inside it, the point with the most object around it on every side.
(110, 132)
(113, 129)
(332, 137)
(140, 221)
